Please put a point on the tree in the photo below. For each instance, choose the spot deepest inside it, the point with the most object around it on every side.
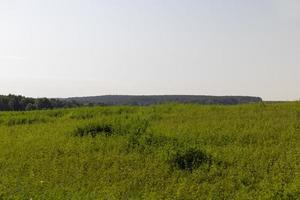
(43, 103)
(30, 106)
(14, 103)
(21, 103)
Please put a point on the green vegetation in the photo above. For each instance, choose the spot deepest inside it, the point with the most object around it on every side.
(159, 99)
(20, 103)
(171, 151)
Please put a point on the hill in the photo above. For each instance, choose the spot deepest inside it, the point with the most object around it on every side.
(158, 99)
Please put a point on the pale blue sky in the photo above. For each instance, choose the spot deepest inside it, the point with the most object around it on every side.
(61, 48)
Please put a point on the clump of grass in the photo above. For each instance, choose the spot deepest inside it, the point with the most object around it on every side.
(190, 159)
(94, 130)
(149, 142)
(82, 116)
(125, 110)
(24, 121)
(55, 114)
(138, 129)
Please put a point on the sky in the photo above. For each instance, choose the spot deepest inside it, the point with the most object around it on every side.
(64, 48)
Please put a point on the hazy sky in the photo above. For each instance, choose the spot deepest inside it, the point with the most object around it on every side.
(60, 48)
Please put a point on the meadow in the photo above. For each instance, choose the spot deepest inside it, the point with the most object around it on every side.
(169, 151)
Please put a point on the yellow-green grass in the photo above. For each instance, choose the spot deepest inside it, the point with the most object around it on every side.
(171, 151)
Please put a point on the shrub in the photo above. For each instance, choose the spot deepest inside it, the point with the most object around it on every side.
(94, 130)
(190, 159)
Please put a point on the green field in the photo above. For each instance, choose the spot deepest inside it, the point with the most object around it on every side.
(171, 151)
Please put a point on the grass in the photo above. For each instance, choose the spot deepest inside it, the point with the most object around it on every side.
(170, 151)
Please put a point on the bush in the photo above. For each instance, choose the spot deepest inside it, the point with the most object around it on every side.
(190, 159)
(94, 130)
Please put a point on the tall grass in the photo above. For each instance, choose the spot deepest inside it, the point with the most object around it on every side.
(171, 151)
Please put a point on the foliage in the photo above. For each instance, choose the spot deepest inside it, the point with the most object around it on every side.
(190, 159)
(159, 99)
(20, 103)
(171, 151)
(93, 130)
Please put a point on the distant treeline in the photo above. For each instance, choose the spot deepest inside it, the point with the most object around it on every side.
(158, 99)
(21, 103)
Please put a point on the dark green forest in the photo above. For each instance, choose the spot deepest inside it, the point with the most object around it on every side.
(159, 99)
(21, 103)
